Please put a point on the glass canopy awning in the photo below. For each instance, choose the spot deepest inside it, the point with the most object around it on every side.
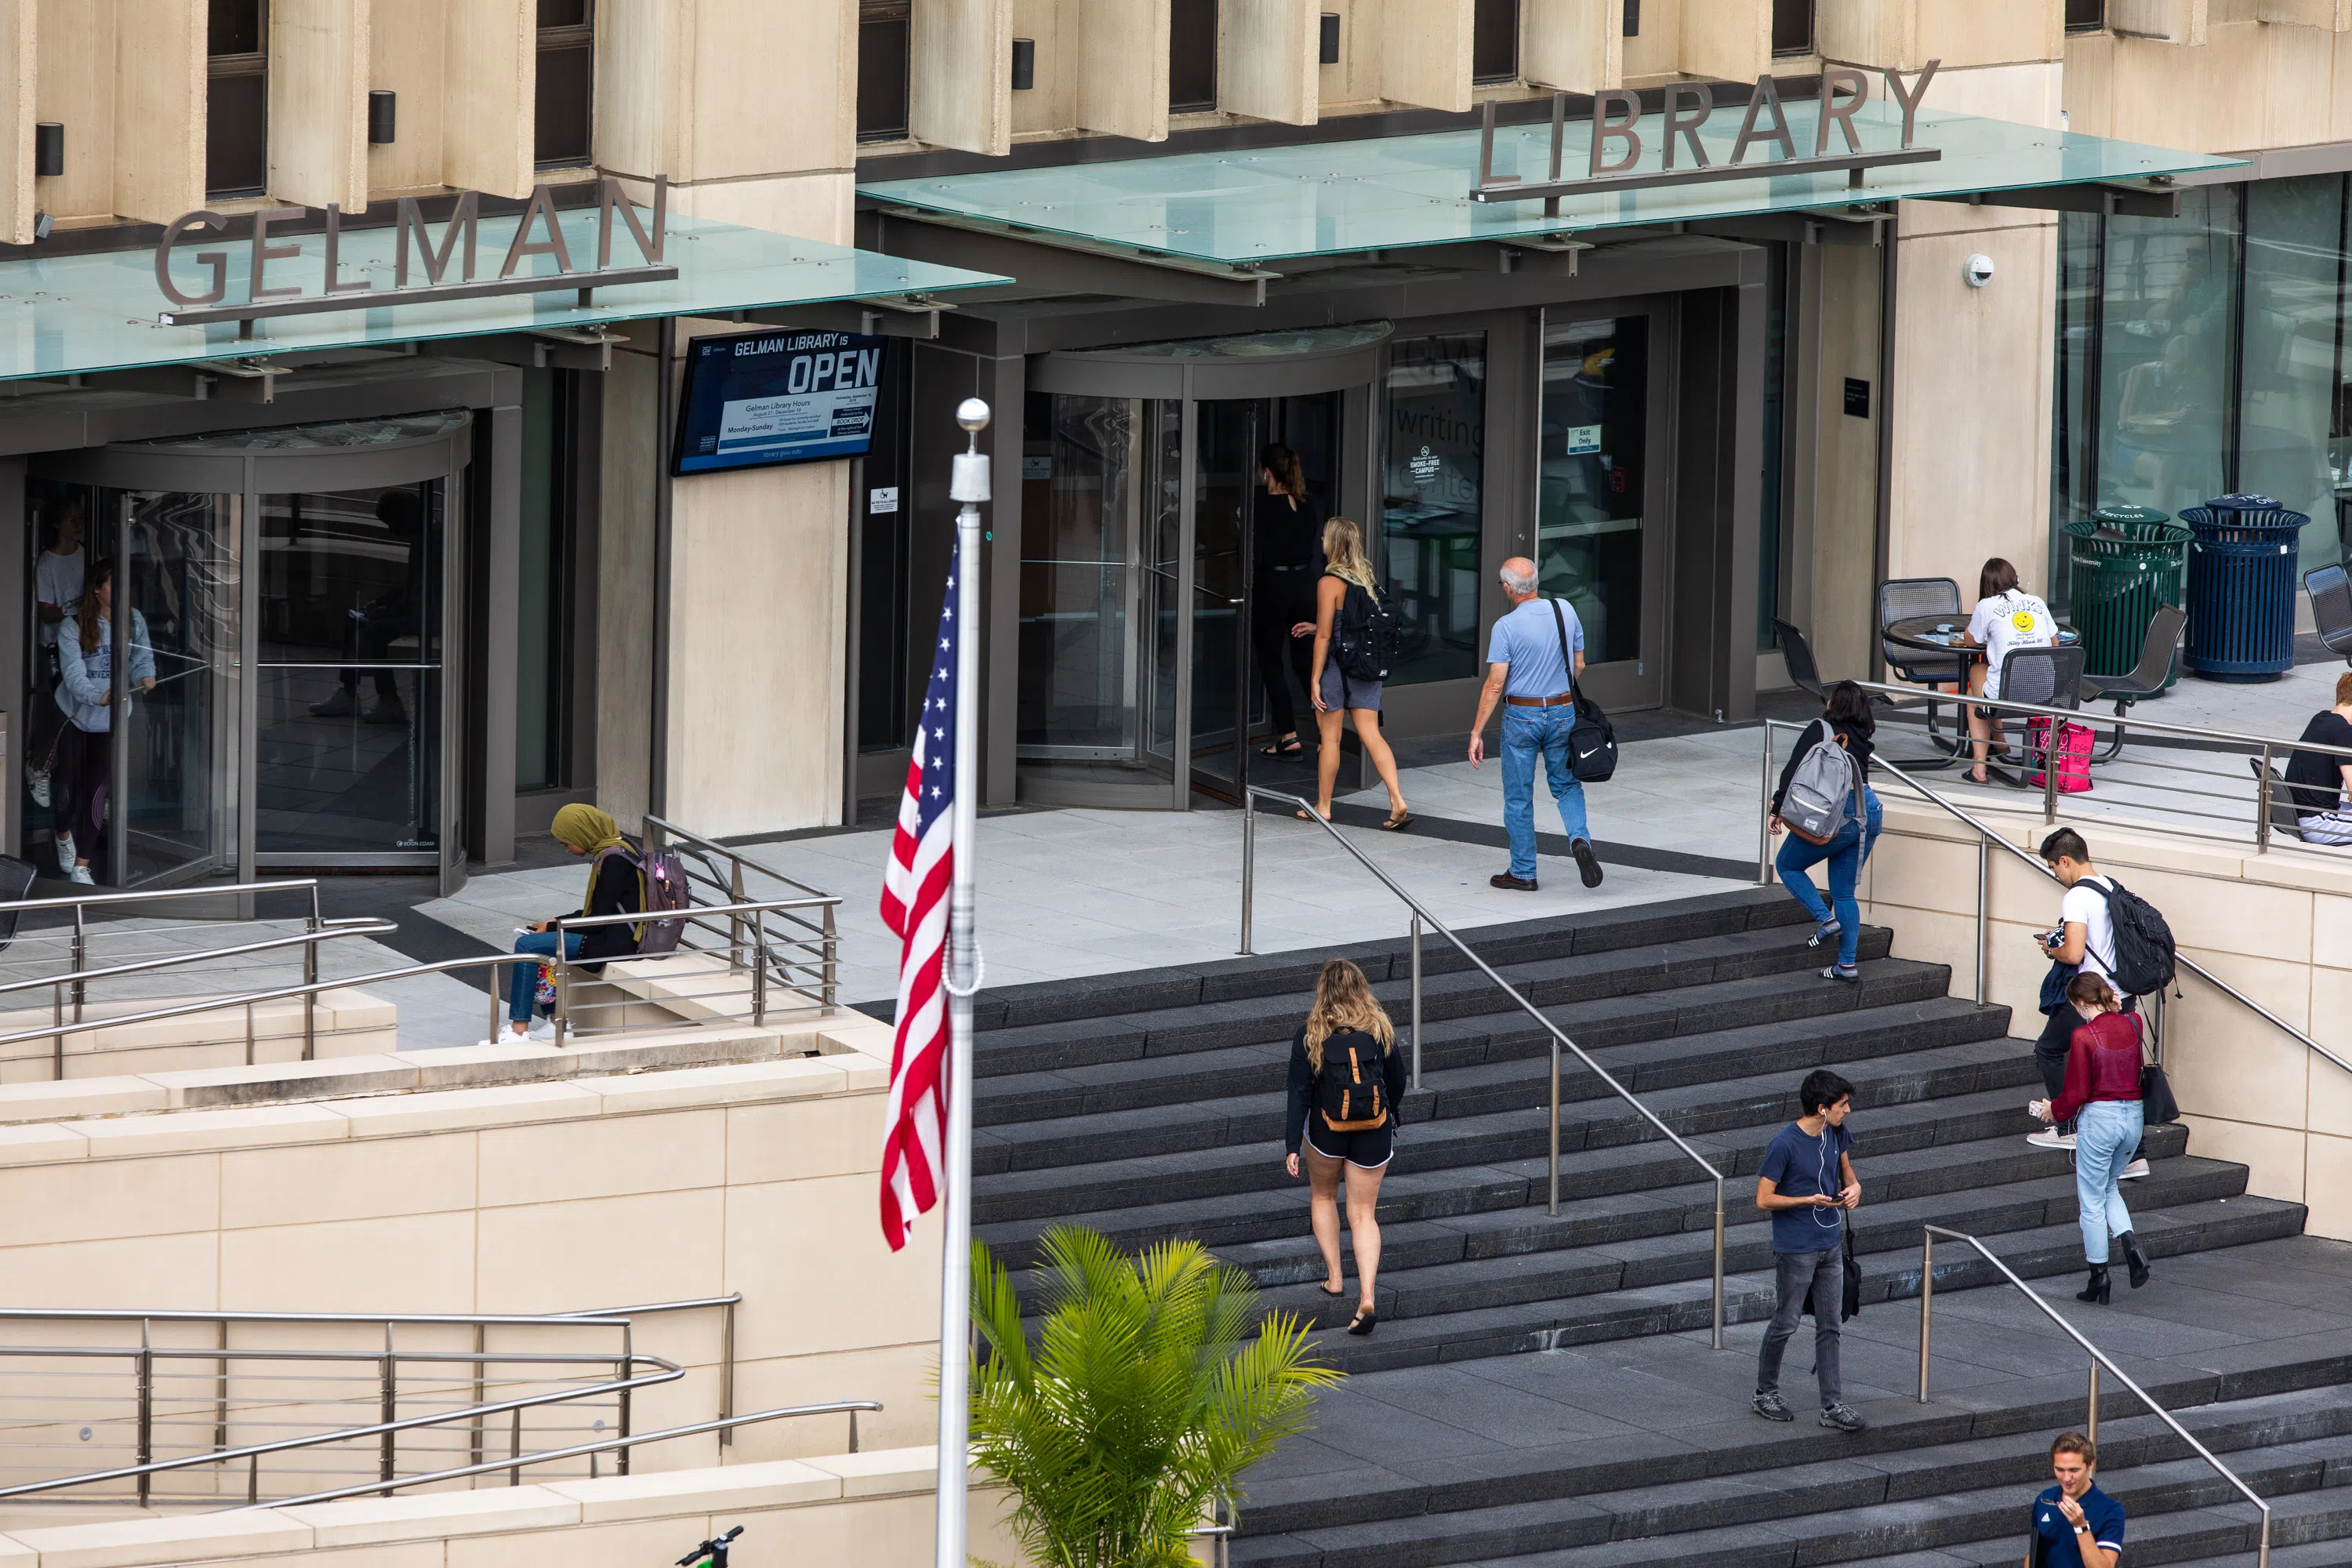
(1392, 193)
(79, 314)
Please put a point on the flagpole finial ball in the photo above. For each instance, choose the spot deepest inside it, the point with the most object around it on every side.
(972, 414)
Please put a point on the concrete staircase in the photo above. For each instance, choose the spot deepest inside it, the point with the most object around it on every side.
(1150, 1105)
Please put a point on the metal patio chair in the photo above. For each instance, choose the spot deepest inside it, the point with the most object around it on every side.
(2146, 678)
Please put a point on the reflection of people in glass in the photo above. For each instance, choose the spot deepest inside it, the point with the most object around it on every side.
(374, 627)
(86, 693)
(1285, 552)
(57, 594)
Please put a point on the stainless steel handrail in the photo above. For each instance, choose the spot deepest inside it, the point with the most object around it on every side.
(2099, 1358)
(160, 894)
(659, 829)
(439, 966)
(671, 1372)
(1986, 837)
(712, 847)
(354, 925)
(724, 1425)
(1421, 915)
(610, 1317)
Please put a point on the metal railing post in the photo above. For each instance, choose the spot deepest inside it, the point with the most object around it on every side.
(496, 969)
(220, 1397)
(2091, 1409)
(514, 1450)
(1926, 1304)
(388, 1456)
(2056, 734)
(80, 962)
(310, 998)
(253, 1480)
(1764, 816)
(1554, 1202)
(735, 922)
(832, 955)
(1416, 1001)
(758, 980)
(478, 1445)
(1984, 915)
(146, 1451)
(628, 1364)
(1249, 861)
(2263, 806)
(563, 962)
(1715, 1337)
(727, 1373)
(853, 1431)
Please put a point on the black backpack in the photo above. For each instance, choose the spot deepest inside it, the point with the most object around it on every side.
(2144, 951)
(1351, 1092)
(1364, 636)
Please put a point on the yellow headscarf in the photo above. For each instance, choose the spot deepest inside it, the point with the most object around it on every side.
(585, 829)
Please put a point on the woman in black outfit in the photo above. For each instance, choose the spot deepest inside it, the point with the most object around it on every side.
(1287, 550)
(1345, 1080)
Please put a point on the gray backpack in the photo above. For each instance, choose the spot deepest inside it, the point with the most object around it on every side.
(1824, 794)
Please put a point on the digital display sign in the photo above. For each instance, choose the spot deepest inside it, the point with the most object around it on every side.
(770, 397)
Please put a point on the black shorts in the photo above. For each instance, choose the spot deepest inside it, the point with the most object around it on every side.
(1368, 1149)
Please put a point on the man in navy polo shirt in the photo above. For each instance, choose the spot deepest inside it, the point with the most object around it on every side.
(2076, 1525)
(1806, 1183)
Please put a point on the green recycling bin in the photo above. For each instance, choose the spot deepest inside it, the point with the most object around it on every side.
(2125, 559)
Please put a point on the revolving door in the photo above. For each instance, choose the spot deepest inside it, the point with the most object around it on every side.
(288, 592)
(1155, 618)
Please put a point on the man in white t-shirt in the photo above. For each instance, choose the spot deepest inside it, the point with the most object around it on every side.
(2085, 939)
(2006, 617)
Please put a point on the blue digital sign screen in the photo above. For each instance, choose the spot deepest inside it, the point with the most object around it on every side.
(777, 398)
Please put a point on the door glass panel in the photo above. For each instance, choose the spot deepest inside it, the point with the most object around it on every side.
(1223, 471)
(183, 586)
(1589, 522)
(349, 757)
(1432, 491)
(1161, 490)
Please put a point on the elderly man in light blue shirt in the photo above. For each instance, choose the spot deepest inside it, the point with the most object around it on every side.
(1533, 660)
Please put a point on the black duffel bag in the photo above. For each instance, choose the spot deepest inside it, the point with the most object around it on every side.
(1592, 740)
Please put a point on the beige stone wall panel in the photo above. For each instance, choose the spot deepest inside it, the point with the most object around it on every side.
(1656, 54)
(1971, 405)
(74, 85)
(1122, 68)
(20, 90)
(367, 1178)
(2328, 1184)
(1845, 501)
(792, 1309)
(628, 470)
(1267, 60)
(1049, 105)
(319, 75)
(1425, 53)
(1907, 33)
(489, 88)
(159, 110)
(1578, 46)
(1731, 39)
(550, 1257)
(603, 1157)
(414, 1263)
(952, 103)
(2329, 15)
(744, 121)
(2162, 21)
(407, 56)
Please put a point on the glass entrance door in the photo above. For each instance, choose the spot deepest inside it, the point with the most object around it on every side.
(177, 756)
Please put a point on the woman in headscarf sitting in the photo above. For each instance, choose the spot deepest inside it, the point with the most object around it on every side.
(617, 886)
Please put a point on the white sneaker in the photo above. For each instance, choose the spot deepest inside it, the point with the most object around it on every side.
(2049, 1138)
(81, 874)
(65, 854)
(2136, 1168)
(540, 1029)
(37, 783)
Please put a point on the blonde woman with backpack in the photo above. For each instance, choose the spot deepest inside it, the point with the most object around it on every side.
(1345, 598)
(1345, 1080)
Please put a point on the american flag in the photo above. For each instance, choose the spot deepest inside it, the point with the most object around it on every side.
(915, 908)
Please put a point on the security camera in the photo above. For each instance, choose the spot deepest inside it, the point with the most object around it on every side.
(1978, 270)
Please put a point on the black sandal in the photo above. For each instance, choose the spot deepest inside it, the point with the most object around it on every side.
(1341, 1291)
(1398, 823)
(1289, 746)
(1365, 1321)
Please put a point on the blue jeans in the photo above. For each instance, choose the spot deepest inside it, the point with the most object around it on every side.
(1530, 734)
(2106, 1133)
(1845, 853)
(522, 982)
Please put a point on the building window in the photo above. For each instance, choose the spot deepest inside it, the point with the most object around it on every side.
(237, 101)
(562, 125)
(1432, 503)
(1191, 55)
(1792, 26)
(1495, 41)
(1594, 436)
(2085, 15)
(884, 41)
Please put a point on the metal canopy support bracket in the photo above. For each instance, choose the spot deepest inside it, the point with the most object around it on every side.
(906, 316)
(1060, 263)
(2109, 200)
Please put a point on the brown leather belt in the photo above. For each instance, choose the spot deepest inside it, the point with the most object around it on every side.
(1563, 699)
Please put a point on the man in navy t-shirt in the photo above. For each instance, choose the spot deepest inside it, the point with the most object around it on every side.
(2076, 1525)
(1806, 1183)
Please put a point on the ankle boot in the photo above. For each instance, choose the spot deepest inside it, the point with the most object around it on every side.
(2135, 1260)
(2096, 1290)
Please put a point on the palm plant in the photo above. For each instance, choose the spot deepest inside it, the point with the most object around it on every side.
(1141, 1402)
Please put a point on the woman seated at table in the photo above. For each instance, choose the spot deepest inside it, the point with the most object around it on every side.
(2006, 617)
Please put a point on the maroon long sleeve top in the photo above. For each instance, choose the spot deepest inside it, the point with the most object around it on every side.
(2102, 1062)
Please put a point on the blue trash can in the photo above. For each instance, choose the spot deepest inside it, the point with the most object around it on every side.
(2241, 578)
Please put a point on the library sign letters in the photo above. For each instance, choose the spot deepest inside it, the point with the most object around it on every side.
(1616, 162)
(274, 286)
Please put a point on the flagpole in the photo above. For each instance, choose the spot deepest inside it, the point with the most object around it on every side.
(970, 485)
